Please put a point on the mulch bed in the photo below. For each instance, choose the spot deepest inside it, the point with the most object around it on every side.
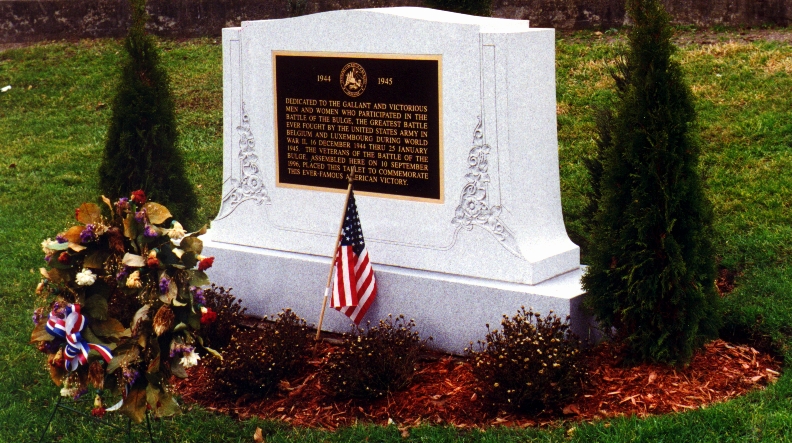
(445, 391)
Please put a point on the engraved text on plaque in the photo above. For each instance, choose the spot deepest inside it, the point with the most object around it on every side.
(380, 114)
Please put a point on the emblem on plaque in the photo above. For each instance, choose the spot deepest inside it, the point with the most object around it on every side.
(353, 79)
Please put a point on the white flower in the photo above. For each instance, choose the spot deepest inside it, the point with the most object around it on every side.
(133, 281)
(176, 231)
(45, 246)
(69, 391)
(190, 359)
(85, 278)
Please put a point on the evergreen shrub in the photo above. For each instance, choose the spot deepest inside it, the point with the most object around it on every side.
(532, 364)
(256, 360)
(472, 7)
(141, 146)
(651, 264)
(371, 363)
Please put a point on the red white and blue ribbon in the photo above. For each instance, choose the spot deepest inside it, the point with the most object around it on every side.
(69, 329)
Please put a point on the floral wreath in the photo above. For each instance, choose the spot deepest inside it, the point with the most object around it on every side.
(122, 305)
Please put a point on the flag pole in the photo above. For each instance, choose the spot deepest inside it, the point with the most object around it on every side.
(335, 252)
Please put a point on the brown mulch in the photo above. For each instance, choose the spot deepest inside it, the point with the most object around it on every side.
(719, 372)
(444, 391)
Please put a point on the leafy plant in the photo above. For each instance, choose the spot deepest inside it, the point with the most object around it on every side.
(373, 362)
(472, 7)
(651, 258)
(141, 146)
(256, 360)
(532, 364)
(116, 310)
(230, 314)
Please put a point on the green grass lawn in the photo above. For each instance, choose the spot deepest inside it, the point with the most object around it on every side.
(52, 124)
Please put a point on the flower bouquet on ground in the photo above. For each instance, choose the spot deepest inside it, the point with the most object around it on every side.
(121, 307)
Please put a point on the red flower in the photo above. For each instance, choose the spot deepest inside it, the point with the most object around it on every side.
(98, 412)
(77, 213)
(64, 258)
(152, 262)
(208, 317)
(139, 197)
(205, 263)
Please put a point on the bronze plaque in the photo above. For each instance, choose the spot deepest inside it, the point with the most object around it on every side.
(379, 114)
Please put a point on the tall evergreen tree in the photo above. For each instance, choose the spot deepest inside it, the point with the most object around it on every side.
(141, 147)
(652, 270)
(472, 7)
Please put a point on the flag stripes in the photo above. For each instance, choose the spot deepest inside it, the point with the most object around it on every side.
(355, 287)
(366, 287)
(343, 295)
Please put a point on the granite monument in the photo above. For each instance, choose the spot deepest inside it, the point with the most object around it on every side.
(450, 124)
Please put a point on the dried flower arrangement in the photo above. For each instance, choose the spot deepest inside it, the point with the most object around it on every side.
(120, 310)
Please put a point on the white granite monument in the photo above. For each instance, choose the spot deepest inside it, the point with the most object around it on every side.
(449, 119)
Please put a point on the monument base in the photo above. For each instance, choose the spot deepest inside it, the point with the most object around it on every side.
(452, 309)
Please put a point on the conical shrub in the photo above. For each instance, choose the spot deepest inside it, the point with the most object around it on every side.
(652, 269)
(141, 149)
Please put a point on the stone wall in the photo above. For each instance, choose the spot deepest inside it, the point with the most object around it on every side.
(35, 20)
(583, 14)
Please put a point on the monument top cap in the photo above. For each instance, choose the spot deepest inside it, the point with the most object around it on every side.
(486, 24)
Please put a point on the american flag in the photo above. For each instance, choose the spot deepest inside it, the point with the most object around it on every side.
(354, 288)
